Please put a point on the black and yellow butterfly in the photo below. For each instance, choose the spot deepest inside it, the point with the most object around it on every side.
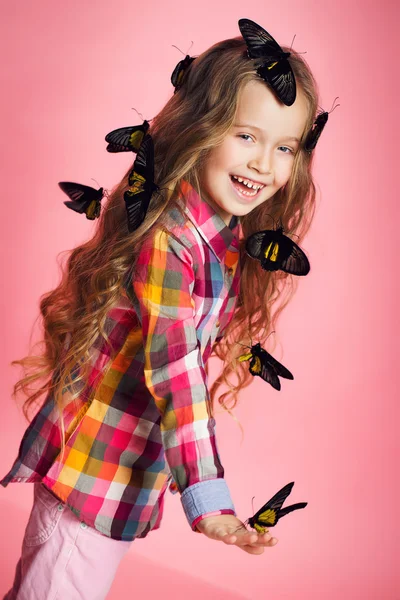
(276, 251)
(84, 199)
(141, 181)
(275, 70)
(271, 512)
(180, 71)
(263, 364)
(126, 139)
(317, 128)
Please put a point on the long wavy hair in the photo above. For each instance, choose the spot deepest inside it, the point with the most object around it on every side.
(195, 120)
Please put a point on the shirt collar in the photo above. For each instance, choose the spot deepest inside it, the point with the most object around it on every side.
(210, 225)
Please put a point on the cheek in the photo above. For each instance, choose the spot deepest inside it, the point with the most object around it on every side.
(284, 173)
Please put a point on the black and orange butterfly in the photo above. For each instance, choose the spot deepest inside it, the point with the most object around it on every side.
(275, 70)
(263, 364)
(271, 512)
(317, 128)
(83, 198)
(141, 181)
(276, 251)
(127, 139)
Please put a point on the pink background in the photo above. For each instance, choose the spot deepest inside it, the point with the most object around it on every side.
(73, 71)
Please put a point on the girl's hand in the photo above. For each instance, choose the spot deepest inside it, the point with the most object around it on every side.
(223, 528)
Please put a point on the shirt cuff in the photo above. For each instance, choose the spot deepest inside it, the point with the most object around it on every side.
(205, 497)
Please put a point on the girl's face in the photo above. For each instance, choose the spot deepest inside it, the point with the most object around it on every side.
(259, 149)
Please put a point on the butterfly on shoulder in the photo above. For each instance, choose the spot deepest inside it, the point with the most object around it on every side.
(272, 511)
(126, 139)
(263, 364)
(141, 184)
(276, 69)
(276, 251)
(180, 71)
(83, 198)
(317, 128)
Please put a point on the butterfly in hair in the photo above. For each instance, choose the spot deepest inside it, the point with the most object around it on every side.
(141, 184)
(83, 198)
(276, 251)
(126, 139)
(275, 69)
(263, 364)
(180, 71)
(272, 511)
(317, 128)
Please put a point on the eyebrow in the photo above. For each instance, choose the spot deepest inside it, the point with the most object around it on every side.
(289, 138)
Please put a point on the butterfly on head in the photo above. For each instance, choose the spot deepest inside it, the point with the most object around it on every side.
(141, 184)
(317, 128)
(263, 364)
(275, 251)
(271, 512)
(83, 198)
(126, 139)
(180, 71)
(275, 69)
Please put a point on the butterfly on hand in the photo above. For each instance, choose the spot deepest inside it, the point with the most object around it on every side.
(276, 251)
(263, 364)
(271, 512)
(276, 69)
(126, 139)
(83, 198)
(180, 71)
(141, 184)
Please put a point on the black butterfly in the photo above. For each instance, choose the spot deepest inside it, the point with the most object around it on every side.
(317, 128)
(276, 251)
(126, 139)
(264, 365)
(271, 512)
(275, 70)
(180, 71)
(84, 199)
(141, 181)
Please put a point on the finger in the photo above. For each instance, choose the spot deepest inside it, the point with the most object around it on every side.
(252, 549)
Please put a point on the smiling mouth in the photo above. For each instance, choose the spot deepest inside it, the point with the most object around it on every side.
(246, 187)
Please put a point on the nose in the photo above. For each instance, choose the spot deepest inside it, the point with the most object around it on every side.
(262, 162)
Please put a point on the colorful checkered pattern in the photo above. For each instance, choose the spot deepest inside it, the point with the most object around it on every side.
(145, 422)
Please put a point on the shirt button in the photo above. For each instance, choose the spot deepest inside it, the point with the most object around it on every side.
(230, 271)
(60, 507)
(83, 525)
(218, 323)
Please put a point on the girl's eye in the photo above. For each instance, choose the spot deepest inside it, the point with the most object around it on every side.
(290, 151)
(245, 135)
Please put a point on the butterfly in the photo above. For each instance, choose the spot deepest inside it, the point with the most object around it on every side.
(126, 139)
(271, 512)
(263, 364)
(141, 181)
(84, 199)
(276, 251)
(317, 128)
(180, 71)
(275, 70)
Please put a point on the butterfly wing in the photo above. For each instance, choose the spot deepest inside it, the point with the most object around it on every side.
(83, 198)
(294, 260)
(265, 246)
(268, 515)
(258, 366)
(259, 42)
(141, 181)
(277, 366)
(126, 139)
(315, 132)
(180, 71)
(281, 78)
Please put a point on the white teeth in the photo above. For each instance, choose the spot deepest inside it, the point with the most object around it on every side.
(248, 183)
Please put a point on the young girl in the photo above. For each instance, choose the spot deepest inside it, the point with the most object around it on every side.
(129, 330)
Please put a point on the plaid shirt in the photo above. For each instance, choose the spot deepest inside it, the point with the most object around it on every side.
(145, 423)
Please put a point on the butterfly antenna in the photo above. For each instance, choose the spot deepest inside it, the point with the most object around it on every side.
(252, 504)
(190, 48)
(291, 45)
(95, 181)
(270, 334)
(179, 49)
(242, 345)
(140, 114)
(333, 107)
